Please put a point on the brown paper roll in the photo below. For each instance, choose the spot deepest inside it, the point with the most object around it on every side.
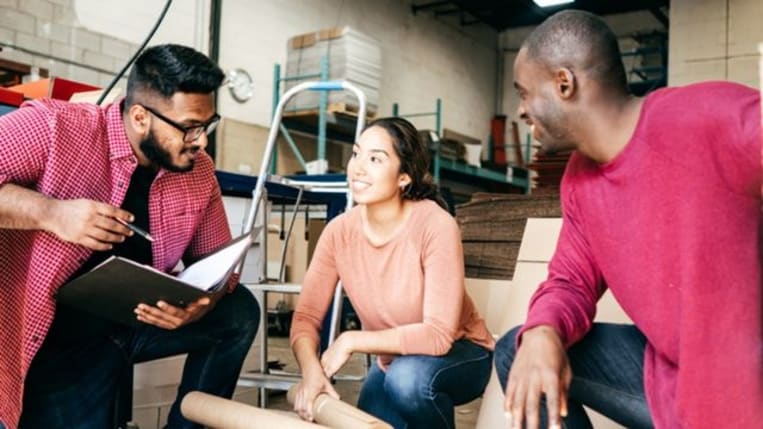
(339, 415)
(218, 413)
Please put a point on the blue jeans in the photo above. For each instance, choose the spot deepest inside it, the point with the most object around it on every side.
(607, 375)
(420, 391)
(73, 383)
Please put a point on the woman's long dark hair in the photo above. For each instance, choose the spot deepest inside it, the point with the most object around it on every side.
(414, 159)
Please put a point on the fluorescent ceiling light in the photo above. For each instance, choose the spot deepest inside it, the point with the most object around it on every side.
(548, 3)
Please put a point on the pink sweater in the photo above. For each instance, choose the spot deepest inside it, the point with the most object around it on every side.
(414, 282)
(672, 226)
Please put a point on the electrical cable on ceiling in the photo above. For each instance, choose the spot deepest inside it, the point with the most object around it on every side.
(135, 56)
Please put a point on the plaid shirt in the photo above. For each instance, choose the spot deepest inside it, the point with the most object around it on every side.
(70, 151)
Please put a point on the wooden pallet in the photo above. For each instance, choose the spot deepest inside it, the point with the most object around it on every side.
(339, 108)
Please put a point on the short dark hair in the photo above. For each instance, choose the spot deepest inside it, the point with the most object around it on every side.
(414, 159)
(163, 70)
(580, 41)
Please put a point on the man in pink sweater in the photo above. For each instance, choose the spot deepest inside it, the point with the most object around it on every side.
(662, 205)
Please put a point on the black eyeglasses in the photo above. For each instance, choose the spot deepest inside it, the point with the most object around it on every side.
(192, 133)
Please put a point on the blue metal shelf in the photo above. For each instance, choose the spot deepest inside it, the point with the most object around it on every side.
(470, 174)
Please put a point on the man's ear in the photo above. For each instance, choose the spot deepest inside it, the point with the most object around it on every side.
(566, 85)
(139, 118)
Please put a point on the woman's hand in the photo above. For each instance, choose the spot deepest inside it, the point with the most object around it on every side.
(337, 355)
(307, 390)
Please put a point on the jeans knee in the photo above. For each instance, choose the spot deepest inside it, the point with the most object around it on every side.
(407, 387)
(505, 350)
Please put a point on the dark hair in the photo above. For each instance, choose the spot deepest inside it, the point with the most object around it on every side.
(414, 159)
(163, 70)
(580, 41)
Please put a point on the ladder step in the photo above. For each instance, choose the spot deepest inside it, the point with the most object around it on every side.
(268, 381)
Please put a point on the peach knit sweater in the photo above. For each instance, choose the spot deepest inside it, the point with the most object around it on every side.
(413, 283)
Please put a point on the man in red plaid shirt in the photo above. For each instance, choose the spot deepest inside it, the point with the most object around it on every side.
(70, 174)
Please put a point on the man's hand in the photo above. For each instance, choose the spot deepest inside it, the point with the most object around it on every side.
(86, 222)
(308, 389)
(540, 367)
(338, 353)
(168, 316)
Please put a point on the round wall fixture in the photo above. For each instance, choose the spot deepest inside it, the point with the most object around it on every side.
(240, 85)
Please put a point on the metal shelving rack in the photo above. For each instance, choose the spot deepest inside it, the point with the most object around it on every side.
(443, 165)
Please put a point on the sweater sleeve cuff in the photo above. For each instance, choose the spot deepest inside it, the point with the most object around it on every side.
(538, 320)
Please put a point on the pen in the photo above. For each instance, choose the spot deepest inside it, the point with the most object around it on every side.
(136, 230)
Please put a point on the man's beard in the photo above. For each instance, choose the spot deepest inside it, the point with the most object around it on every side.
(556, 133)
(161, 157)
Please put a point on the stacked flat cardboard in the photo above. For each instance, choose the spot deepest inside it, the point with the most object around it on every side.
(492, 226)
(549, 169)
(352, 56)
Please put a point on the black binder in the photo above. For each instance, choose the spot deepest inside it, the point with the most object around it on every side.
(114, 288)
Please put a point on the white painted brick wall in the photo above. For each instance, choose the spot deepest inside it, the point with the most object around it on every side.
(17, 21)
(104, 80)
(64, 14)
(14, 55)
(714, 39)
(43, 62)
(186, 21)
(99, 60)
(54, 27)
(41, 9)
(7, 35)
(86, 39)
(54, 32)
(67, 51)
(744, 69)
(117, 48)
(51, 27)
(37, 44)
(83, 75)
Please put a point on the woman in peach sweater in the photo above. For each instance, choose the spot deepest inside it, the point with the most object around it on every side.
(398, 254)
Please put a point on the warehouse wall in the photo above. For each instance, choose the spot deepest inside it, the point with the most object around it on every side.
(714, 39)
(98, 33)
(423, 58)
